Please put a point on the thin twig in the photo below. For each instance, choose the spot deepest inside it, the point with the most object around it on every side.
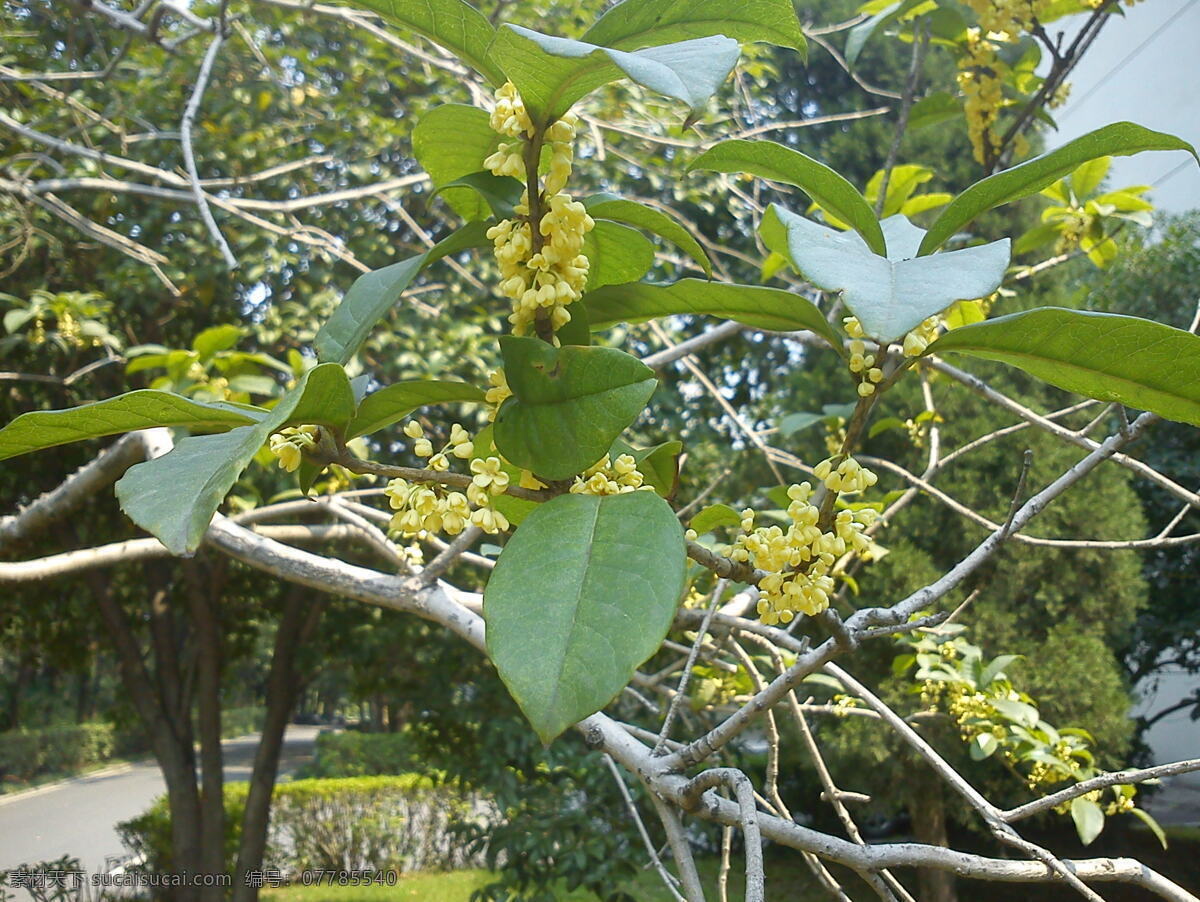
(189, 154)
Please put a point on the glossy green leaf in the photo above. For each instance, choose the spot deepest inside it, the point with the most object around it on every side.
(454, 24)
(715, 515)
(174, 497)
(996, 668)
(652, 219)
(830, 413)
(373, 294)
(616, 254)
(1088, 177)
(583, 593)
(983, 746)
(756, 306)
(889, 295)
(499, 193)
(381, 409)
(578, 330)
(553, 73)
(659, 465)
(1017, 712)
(769, 160)
(568, 404)
(642, 23)
(1088, 818)
(129, 412)
(934, 109)
(215, 339)
(450, 142)
(1119, 139)
(1137, 362)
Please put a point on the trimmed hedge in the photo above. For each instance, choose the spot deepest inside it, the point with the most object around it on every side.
(353, 754)
(28, 754)
(399, 823)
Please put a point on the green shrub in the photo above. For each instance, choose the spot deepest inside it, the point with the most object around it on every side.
(352, 754)
(27, 754)
(241, 721)
(397, 823)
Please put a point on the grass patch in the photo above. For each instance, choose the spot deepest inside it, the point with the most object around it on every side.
(457, 886)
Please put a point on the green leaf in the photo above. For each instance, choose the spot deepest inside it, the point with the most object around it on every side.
(769, 160)
(860, 34)
(983, 746)
(1145, 818)
(1017, 712)
(499, 192)
(373, 294)
(1087, 178)
(174, 497)
(934, 110)
(215, 339)
(129, 412)
(996, 668)
(552, 73)
(583, 593)
(452, 141)
(659, 465)
(609, 206)
(568, 404)
(578, 330)
(889, 295)
(1088, 818)
(453, 24)
(641, 23)
(756, 306)
(715, 515)
(1137, 362)
(883, 425)
(794, 422)
(1120, 139)
(515, 510)
(616, 254)
(381, 409)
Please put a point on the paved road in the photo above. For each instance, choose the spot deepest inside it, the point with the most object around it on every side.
(78, 818)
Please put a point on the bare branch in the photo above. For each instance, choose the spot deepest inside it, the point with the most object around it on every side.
(1104, 780)
(189, 153)
(669, 880)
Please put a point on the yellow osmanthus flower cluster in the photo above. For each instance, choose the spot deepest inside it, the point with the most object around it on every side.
(847, 476)
(611, 477)
(913, 344)
(980, 78)
(289, 445)
(545, 270)
(498, 393)
(429, 508)
(799, 560)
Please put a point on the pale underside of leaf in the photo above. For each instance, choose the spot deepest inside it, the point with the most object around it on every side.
(889, 295)
(553, 73)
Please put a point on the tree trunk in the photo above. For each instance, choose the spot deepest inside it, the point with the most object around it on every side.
(300, 617)
(156, 702)
(203, 593)
(928, 811)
